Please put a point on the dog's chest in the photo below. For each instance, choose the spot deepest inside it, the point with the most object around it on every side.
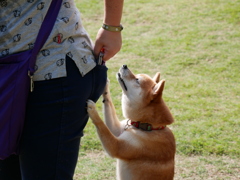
(133, 136)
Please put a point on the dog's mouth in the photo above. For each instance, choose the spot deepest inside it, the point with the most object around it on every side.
(122, 81)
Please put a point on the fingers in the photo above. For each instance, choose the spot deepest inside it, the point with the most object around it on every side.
(111, 42)
(97, 48)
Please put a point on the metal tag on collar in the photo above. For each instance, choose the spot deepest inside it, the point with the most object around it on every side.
(145, 126)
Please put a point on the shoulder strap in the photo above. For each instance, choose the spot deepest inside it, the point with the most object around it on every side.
(44, 31)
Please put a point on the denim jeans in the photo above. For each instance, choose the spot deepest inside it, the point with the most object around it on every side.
(56, 117)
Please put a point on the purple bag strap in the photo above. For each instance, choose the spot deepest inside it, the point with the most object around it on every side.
(44, 31)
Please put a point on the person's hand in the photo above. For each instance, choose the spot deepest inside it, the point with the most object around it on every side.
(110, 41)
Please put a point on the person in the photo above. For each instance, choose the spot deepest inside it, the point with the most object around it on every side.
(66, 76)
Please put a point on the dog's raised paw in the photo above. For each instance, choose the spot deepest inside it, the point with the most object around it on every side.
(90, 105)
(92, 111)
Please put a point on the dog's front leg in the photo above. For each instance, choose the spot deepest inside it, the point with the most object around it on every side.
(109, 141)
(109, 112)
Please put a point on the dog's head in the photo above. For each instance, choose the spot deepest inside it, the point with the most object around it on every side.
(142, 98)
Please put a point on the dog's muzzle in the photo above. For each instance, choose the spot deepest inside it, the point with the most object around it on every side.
(121, 79)
(123, 83)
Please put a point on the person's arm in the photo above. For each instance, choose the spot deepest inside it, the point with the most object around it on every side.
(110, 41)
(113, 12)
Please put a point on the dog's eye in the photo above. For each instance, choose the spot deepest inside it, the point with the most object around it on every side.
(137, 80)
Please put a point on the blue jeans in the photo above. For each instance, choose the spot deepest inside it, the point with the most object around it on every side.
(56, 117)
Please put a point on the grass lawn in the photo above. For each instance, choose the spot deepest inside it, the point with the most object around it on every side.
(196, 47)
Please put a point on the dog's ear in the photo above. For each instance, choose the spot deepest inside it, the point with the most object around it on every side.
(156, 78)
(158, 89)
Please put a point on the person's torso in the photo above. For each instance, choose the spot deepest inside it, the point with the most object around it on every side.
(19, 25)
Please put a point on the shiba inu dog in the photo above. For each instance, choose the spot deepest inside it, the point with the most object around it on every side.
(142, 144)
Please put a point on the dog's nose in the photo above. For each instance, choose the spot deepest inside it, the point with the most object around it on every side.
(124, 66)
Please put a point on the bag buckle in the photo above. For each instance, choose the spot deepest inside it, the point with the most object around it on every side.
(31, 81)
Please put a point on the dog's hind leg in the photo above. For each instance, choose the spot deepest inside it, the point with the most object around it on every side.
(109, 112)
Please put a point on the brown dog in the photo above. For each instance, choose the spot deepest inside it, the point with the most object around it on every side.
(143, 145)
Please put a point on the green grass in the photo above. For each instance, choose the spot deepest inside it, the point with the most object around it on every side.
(95, 165)
(196, 47)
